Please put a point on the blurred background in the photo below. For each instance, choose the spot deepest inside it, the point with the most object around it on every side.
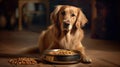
(21, 22)
(19, 15)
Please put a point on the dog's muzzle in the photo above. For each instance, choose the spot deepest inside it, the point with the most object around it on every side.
(67, 25)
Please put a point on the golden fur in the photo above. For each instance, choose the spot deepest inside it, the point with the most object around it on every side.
(65, 31)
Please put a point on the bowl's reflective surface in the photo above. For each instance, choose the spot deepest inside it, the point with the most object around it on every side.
(57, 58)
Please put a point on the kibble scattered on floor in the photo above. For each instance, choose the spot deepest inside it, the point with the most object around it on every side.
(23, 61)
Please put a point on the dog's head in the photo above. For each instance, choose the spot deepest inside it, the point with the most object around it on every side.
(65, 17)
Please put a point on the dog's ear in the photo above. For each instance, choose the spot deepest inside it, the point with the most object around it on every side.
(81, 19)
(54, 14)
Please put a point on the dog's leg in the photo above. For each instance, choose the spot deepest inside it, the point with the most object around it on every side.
(84, 58)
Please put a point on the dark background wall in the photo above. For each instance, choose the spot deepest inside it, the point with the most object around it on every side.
(108, 15)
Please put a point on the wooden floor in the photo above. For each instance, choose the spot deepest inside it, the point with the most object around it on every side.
(104, 53)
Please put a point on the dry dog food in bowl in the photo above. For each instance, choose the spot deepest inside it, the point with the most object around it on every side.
(62, 56)
(23, 61)
(62, 52)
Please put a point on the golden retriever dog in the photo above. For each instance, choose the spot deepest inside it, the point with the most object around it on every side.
(65, 31)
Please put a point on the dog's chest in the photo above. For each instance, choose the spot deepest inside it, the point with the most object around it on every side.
(67, 42)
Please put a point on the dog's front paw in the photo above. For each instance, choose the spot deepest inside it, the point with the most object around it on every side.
(86, 60)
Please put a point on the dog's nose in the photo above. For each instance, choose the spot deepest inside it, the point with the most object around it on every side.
(66, 25)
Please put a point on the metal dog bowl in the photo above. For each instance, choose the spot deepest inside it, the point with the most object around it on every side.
(62, 58)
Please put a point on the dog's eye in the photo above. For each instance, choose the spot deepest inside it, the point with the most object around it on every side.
(63, 13)
(72, 15)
